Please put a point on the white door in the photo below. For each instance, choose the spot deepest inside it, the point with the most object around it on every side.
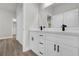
(34, 42)
(65, 50)
(71, 18)
(57, 21)
(50, 48)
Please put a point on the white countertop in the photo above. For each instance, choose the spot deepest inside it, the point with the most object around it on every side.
(73, 32)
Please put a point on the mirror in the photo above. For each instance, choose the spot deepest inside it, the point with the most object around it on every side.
(49, 21)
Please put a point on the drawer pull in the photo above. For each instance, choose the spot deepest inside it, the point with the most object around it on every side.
(41, 43)
(41, 53)
(58, 48)
(32, 39)
(54, 47)
(41, 35)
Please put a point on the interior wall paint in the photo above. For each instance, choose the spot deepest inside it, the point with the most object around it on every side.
(43, 18)
(5, 24)
(19, 24)
(30, 12)
(63, 7)
(57, 8)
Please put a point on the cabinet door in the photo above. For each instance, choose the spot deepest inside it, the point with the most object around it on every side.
(50, 48)
(71, 18)
(57, 21)
(34, 42)
(60, 49)
(65, 50)
(69, 51)
(31, 40)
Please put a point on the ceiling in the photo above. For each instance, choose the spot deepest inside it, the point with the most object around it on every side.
(45, 5)
(11, 7)
(51, 7)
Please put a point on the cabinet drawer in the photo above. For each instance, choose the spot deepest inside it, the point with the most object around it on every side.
(41, 37)
(42, 52)
(52, 37)
(68, 40)
(42, 44)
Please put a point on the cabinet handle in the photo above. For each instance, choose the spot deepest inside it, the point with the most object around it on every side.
(41, 43)
(32, 39)
(54, 47)
(57, 48)
(41, 53)
(41, 35)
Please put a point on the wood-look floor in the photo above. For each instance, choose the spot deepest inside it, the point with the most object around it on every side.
(11, 47)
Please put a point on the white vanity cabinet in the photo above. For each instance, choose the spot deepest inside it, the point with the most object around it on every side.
(37, 43)
(57, 43)
(51, 44)
(56, 46)
(34, 40)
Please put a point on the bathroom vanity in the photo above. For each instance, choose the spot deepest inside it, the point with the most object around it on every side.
(55, 41)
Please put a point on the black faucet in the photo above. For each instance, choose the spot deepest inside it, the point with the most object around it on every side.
(41, 27)
(63, 27)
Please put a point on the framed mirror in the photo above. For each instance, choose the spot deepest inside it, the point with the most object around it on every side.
(49, 21)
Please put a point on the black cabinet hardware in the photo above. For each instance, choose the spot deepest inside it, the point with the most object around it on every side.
(41, 53)
(41, 35)
(57, 48)
(54, 47)
(41, 43)
(32, 39)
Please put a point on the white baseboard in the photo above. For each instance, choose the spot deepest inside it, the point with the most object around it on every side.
(6, 37)
(19, 42)
(24, 50)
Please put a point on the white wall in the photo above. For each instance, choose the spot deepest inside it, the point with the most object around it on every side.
(30, 15)
(62, 7)
(43, 18)
(5, 23)
(56, 8)
(19, 23)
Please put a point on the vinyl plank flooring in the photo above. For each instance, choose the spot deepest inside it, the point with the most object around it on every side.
(11, 47)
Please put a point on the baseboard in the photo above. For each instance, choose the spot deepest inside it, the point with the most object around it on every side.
(24, 50)
(20, 43)
(6, 37)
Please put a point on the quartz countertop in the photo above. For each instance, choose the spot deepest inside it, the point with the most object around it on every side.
(73, 32)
